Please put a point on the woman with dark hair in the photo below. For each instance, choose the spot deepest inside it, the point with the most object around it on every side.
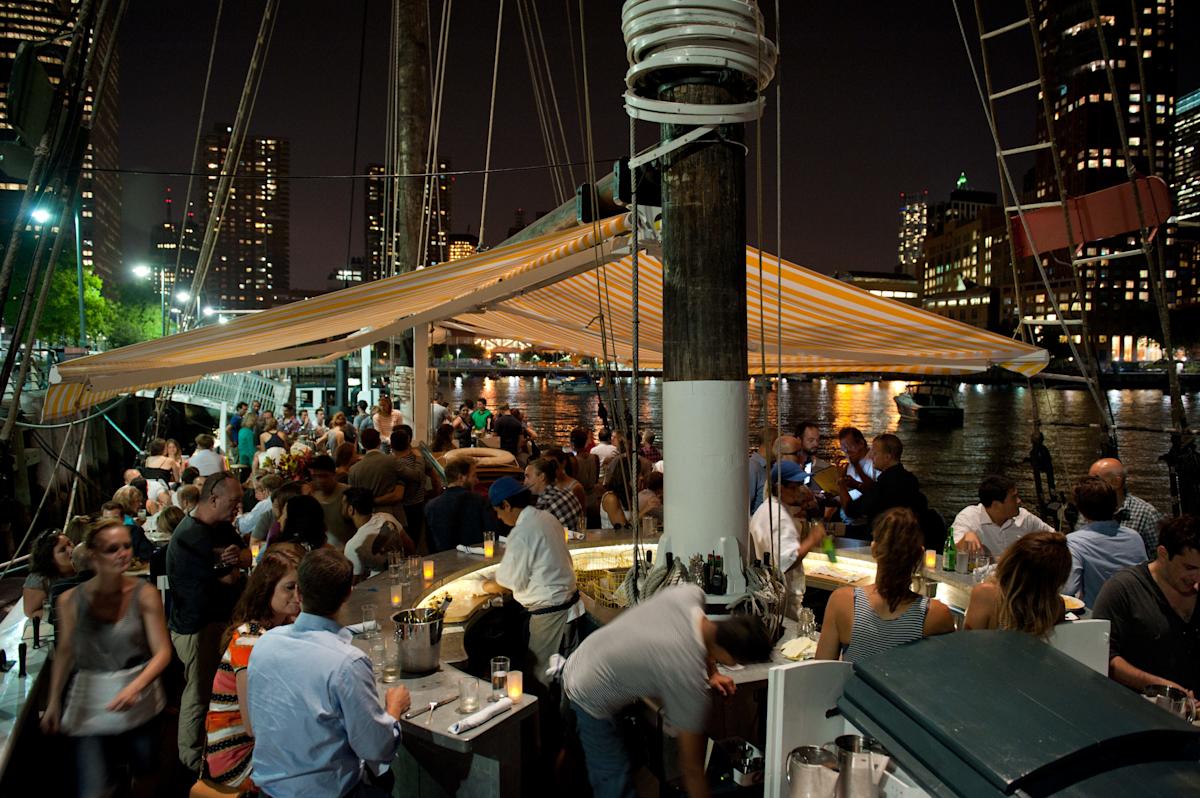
(463, 426)
(344, 457)
(1024, 592)
(271, 599)
(302, 522)
(863, 621)
(614, 503)
(49, 562)
(443, 439)
(112, 635)
(158, 465)
(270, 437)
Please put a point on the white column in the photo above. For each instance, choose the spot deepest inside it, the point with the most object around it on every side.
(221, 425)
(364, 392)
(420, 395)
(705, 506)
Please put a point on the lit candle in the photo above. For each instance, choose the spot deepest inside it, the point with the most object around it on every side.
(515, 685)
(930, 559)
(427, 570)
(397, 595)
(489, 548)
(566, 535)
(255, 546)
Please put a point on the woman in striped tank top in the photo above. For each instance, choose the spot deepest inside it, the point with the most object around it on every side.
(863, 621)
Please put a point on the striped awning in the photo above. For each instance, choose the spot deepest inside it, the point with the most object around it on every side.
(821, 324)
(549, 292)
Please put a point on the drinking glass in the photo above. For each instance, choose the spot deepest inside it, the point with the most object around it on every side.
(370, 626)
(499, 678)
(395, 564)
(468, 695)
(378, 654)
(412, 568)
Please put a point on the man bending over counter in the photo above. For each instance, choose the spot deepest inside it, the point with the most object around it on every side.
(663, 648)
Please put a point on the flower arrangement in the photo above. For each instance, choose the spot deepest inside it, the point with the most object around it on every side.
(291, 465)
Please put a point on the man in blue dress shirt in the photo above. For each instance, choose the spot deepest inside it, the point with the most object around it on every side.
(313, 705)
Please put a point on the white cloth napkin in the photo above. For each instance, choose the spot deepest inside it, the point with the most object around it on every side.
(470, 549)
(363, 628)
(481, 717)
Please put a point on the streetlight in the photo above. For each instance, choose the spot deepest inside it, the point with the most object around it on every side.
(39, 215)
(183, 296)
(142, 271)
(458, 358)
(208, 311)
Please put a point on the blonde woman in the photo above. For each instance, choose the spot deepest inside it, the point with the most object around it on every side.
(1023, 593)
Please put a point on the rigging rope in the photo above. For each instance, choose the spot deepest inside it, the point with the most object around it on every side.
(487, 157)
(1101, 403)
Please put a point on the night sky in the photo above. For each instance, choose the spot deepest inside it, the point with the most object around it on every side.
(878, 98)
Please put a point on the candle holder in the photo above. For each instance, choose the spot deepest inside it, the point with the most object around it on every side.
(930, 559)
(489, 544)
(397, 595)
(515, 685)
(427, 570)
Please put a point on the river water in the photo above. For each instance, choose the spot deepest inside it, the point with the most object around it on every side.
(949, 462)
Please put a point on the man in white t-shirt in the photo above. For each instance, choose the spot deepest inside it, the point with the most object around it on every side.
(375, 534)
(997, 521)
(604, 449)
(204, 459)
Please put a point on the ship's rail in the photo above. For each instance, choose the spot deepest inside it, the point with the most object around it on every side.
(226, 390)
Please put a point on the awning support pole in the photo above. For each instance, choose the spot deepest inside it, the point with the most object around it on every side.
(420, 394)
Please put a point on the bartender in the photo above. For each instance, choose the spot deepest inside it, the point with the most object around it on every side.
(537, 568)
(782, 519)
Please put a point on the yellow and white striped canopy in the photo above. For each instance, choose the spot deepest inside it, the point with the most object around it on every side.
(548, 291)
(821, 325)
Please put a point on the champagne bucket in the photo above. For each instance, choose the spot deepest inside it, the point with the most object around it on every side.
(418, 640)
(1171, 699)
(861, 765)
(811, 772)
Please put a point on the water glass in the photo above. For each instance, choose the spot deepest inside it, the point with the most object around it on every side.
(378, 654)
(468, 695)
(395, 565)
(412, 569)
(370, 625)
(499, 678)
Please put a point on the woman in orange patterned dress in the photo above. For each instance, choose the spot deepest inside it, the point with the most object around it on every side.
(270, 599)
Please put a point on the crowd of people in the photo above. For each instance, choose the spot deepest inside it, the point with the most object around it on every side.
(1122, 558)
(254, 560)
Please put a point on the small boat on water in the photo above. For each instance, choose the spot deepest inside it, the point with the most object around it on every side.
(554, 380)
(930, 403)
(576, 385)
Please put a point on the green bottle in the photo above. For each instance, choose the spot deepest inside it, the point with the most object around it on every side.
(949, 552)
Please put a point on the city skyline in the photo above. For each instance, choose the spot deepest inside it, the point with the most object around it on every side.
(855, 135)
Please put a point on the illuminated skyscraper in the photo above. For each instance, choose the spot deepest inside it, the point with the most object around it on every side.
(100, 191)
(251, 263)
(914, 226)
(1187, 159)
(165, 240)
(439, 214)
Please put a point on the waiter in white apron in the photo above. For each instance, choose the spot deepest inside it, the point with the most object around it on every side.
(781, 527)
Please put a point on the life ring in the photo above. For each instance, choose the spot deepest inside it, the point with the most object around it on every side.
(484, 457)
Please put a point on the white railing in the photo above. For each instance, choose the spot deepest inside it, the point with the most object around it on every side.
(224, 391)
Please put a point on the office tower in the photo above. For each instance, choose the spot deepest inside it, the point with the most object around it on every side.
(251, 263)
(1186, 184)
(462, 245)
(438, 210)
(164, 241)
(1090, 148)
(100, 185)
(914, 222)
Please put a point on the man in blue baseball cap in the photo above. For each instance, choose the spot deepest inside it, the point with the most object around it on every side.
(537, 569)
(781, 526)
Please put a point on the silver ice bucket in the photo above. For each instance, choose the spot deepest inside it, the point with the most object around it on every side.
(418, 640)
